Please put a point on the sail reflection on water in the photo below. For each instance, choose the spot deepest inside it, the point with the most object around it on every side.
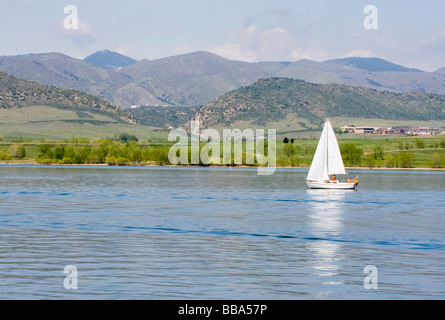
(325, 224)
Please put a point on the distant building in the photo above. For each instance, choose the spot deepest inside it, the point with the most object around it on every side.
(390, 131)
(365, 130)
(348, 129)
(424, 131)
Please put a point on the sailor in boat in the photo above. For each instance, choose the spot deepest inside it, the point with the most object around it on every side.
(350, 180)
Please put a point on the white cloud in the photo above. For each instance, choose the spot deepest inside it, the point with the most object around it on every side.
(183, 49)
(85, 28)
(360, 53)
(274, 44)
(82, 36)
(434, 39)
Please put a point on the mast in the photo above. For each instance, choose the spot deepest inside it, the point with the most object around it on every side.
(327, 148)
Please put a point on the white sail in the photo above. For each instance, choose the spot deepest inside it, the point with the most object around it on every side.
(335, 162)
(319, 168)
(327, 159)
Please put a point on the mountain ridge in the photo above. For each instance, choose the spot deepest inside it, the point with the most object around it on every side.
(197, 78)
(372, 64)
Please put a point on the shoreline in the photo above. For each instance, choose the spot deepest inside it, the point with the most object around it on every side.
(32, 163)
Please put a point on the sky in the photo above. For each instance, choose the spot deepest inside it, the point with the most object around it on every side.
(410, 33)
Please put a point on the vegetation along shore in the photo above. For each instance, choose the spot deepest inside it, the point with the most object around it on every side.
(390, 152)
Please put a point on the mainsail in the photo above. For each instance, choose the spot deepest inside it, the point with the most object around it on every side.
(327, 159)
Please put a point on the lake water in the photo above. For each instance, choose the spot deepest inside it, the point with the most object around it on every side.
(219, 233)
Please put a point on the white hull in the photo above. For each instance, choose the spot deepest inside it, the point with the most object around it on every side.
(330, 185)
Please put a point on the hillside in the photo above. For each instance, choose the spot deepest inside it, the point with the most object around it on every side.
(197, 78)
(16, 93)
(164, 117)
(278, 102)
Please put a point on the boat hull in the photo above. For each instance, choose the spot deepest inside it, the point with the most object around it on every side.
(331, 185)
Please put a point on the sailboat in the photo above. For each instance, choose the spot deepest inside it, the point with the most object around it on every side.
(327, 162)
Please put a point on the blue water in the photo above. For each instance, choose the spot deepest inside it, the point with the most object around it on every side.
(218, 233)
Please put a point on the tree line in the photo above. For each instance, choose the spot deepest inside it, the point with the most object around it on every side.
(126, 149)
(106, 152)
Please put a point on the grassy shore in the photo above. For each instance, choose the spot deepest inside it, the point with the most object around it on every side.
(358, 151)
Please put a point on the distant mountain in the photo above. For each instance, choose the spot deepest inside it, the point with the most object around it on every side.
(198, 78)
(276, 102)
(442, 70)
(62, 71)
(195, 78)
(109, 60)
(16, 93)
(394, 81)
(372, 64)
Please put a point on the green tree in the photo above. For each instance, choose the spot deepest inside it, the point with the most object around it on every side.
(378, 153)
(405, 159)
(5, 156)
(158, 154)
(44, 149)
(17, 151)
(121, 161)
(389, 161)
(420, 143)
(59, 152)
(21, 152)
(125, 137)
(437, 160)
(69, 153)
(351, 154)
(338, 131)
(132, 151)
(370, 160)
(81, 155)
(100, 152)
